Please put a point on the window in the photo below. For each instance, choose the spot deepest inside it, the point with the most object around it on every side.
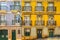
(16, 2)
(8, 4)
(18, 31)
(3, 17)
(51, 20)
(16, 5)
(51, 17)
(27, 3)
(39, 6)
(39, 20)
(51, 7)
(39, 3)
(27, 17)
(50, 4)
(39, 17)
(3, 5)
(27, 20)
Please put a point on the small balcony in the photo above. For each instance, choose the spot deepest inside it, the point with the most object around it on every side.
(2, 22)
(17, 23)
(3, 9)
(51, 24)
(39, 9)
(27, 23)
(27, 9)
(39, 23)
(51, 9)
(15, 7)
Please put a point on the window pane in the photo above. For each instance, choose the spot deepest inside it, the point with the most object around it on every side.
(27, 3)
(3, 3)
(27, 17)
(4, 8)
(39, 4)
(17, 2)
(17, 7)
(50, 4)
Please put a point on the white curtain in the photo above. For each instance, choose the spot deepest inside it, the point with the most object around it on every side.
(57, 31)
(33, 32)
(45, 31)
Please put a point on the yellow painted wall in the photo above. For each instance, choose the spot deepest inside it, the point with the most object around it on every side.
(45, 17)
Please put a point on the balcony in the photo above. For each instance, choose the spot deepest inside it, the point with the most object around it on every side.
(2, 22)
(27, 23)
(15, 7)
(3, 9)
(51, 9)
(51, 24)
(39, 23)
(6, 23)
(27, 9)
(17, 23)
(39, 9)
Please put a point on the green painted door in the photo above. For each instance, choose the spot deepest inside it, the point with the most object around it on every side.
(39, 33)
(51, 33)
(13, 34)
(3, 35)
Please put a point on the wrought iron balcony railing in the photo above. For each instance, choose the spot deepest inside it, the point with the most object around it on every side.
(27, 23)
(51, 9)
(3, 8)
(3, 22)
(40, 23)
(26, 8)
(50, 23)
(15, 21)
(15, 7)
(39, 8)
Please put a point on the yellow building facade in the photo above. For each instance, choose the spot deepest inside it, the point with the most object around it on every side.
(41, 10)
